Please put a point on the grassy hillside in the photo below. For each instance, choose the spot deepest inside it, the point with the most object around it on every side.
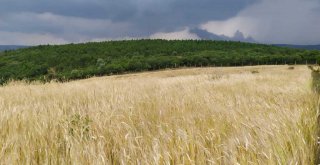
(76, 61)
(190, 116)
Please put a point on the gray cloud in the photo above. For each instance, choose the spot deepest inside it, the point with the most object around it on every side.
(274, 21)
(63, 21)
(58, 27)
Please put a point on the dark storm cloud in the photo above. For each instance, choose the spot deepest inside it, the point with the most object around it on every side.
(148, 16)
(77, 8)
(62, 21)
(119, 10)
(174, 14)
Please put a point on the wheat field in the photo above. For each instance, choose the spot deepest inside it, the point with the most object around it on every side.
(249, 115)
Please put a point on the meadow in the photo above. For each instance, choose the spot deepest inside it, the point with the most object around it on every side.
(234, 115)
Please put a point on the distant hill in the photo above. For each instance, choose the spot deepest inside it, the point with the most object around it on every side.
(205, 35)
(78, 61)
(239, 36)
(11, 47)
(307, 47)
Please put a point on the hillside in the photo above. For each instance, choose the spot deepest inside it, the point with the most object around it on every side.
(77, 61)
(186, 116)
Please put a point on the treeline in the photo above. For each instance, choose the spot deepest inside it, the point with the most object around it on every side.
(77, 61)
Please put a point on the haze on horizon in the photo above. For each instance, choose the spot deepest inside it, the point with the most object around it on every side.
(36, 22)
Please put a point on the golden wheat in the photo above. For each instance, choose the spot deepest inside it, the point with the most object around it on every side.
(188, 116)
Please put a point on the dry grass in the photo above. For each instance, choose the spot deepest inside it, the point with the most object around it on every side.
(191, 116)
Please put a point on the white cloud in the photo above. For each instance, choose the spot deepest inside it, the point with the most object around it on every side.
(274, 21)
(181, 35)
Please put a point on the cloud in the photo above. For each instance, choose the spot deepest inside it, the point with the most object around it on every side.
(172, 15)
(274, 21)
(180, 35)
(17, 38)
(51, 28)
(267, 21)
(82, 20)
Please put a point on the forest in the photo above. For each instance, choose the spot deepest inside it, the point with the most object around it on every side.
(78, 61)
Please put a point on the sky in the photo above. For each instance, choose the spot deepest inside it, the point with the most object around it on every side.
(36, 22)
